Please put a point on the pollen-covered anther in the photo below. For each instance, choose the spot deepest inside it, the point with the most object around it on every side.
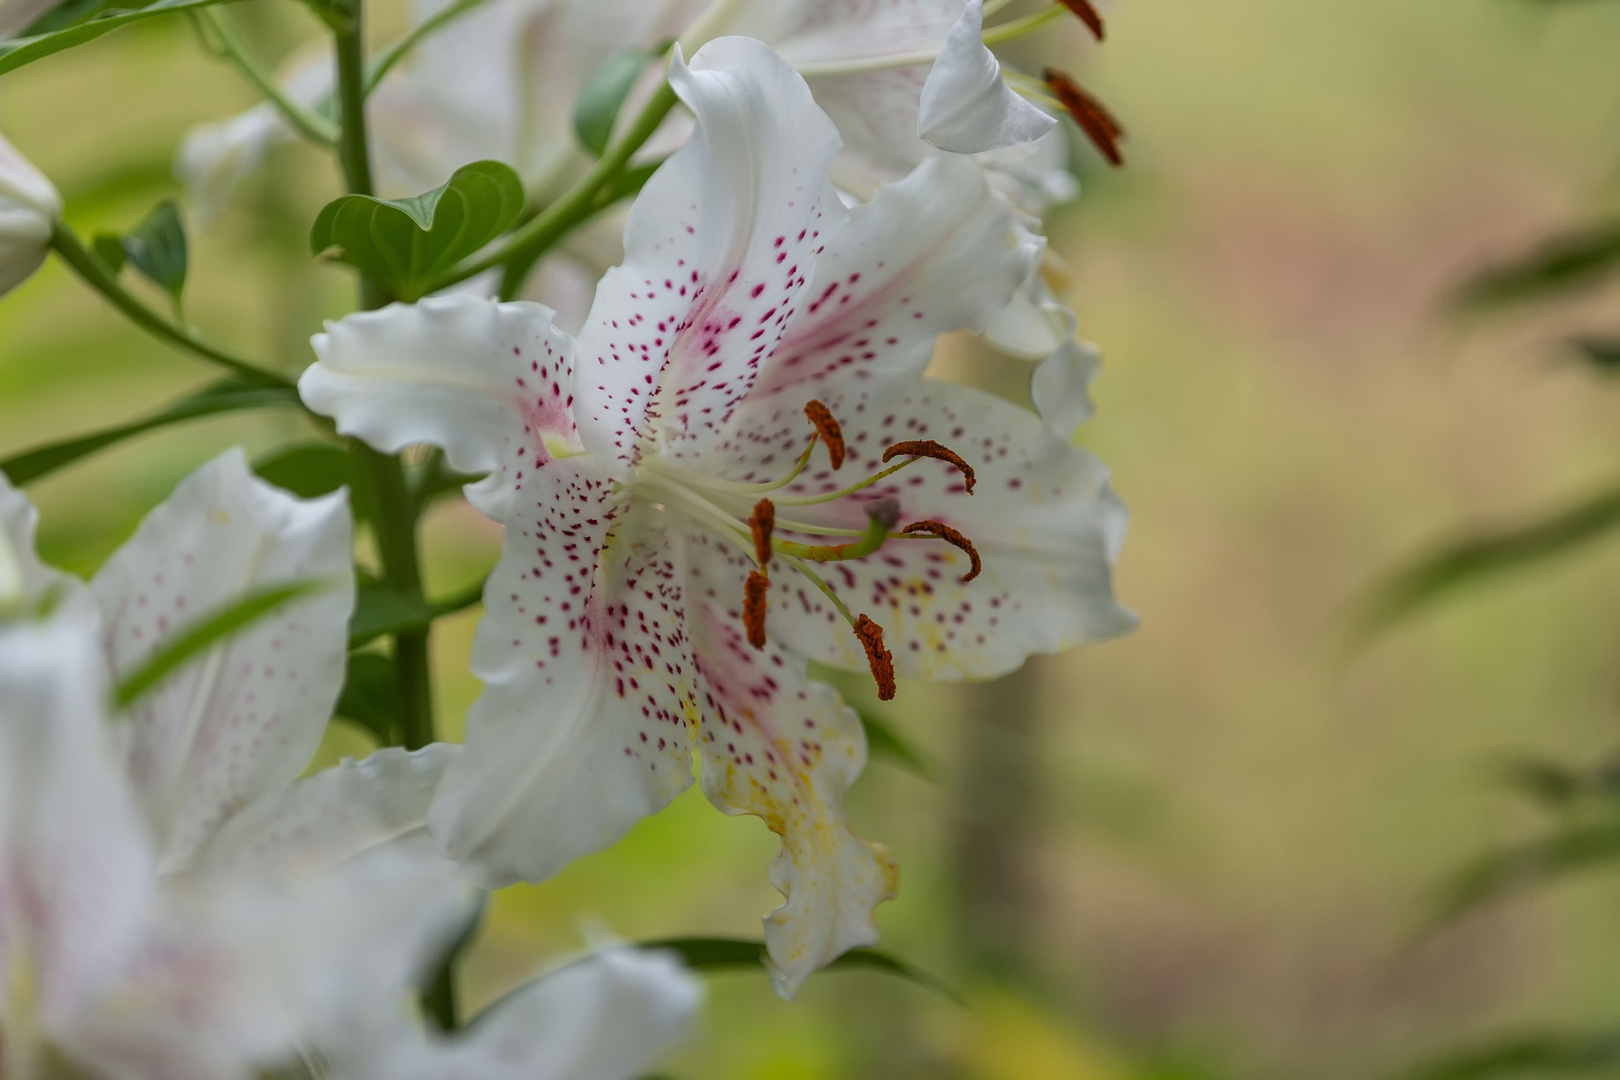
(1088, 15)
(928, 448)
(950, 536)
(763, 522)
(827, 427)
(877, 656)
(1094, 119)
(755, 593)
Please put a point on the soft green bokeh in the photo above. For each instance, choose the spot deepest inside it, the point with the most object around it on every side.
(1236, 824)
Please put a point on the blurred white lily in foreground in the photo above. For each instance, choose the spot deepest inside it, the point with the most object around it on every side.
(173, 903)
(665, 500)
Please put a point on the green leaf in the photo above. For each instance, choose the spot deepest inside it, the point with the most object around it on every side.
(109, 248)
(1601, 354)
(1467, 563)
(380, 610)
(208, 632)
(407, 243)
(597, 109)
(25, 50)
(1502, 873)
(1565, 262)
(157, 248)
(370, 696)
(720, 954)
(883, 741)
(308, 470)
(224, 396)
(1532, 1055)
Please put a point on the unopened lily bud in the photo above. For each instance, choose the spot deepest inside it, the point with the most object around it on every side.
(29, 204)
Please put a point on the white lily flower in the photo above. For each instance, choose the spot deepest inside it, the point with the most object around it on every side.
(643, 606)
(29, 207)
(119, 972)
(191, 910)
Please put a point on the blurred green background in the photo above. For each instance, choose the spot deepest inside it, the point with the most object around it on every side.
(1203, 851)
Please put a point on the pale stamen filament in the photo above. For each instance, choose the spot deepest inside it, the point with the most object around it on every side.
(715, 483)
(815, 579)
(834, 496)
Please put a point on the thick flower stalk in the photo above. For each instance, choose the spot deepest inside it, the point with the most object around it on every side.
(737, 467)
(174, 903)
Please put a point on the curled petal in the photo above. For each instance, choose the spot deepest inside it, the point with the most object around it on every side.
(785, 749)
(489, 382)
(1060, 387)
(966, 106)
(243, 718)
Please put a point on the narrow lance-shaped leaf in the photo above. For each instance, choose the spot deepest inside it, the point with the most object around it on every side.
(1602, 355)
(225, 396)
(25, 50)
(380, 610)
(883, 741)
(719, 954)
(1503, 873)
(1471, 561)
(206, 633)
(407, 243)
(1527, 1056)
(597, 109)
(1563, 263)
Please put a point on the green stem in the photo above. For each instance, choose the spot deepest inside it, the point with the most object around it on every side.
(95, 274)
(395, 518)
(533, 239)
(312, 126)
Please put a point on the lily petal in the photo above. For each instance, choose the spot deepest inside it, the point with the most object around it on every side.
(590, 694)
(243, 718)
(488, 382)
(330, 818)
(717, 250)
(1046, 523)
(240, 973)
(1060, 387)
(966, 106)
(934, 252)
(76, 868)
(23, 577)
(785, 749)
(610, 1016)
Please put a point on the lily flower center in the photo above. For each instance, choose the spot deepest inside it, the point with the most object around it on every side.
(755, 519)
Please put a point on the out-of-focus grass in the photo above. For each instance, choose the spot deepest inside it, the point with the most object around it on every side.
(1238, 824)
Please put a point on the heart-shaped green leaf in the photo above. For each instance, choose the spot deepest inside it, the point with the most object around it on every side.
(407, 243)
(157, 248)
